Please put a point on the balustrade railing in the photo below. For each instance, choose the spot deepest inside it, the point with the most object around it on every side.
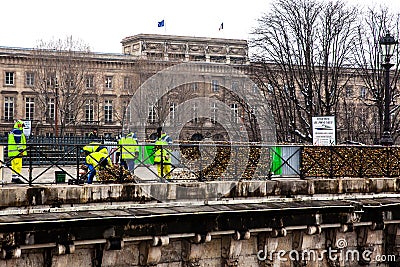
(197, 161)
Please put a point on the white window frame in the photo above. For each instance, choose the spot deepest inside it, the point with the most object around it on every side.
(151, 118)
(255, 89)
(9, 108)
(89, 81)
(235, 86)
(195, 114)
(214, 86)
(70, 116)
(29, 79)
(363, 92)
(89, 110)
(128, 83)
(214, 112)
(108, 111)
(51, 105)
(126, 111)
(109, 82)
(172, 112)
(29, 108)
(235, 113)
(9, 78)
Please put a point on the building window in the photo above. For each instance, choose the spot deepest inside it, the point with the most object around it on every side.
(270, 88)
(70, 82)
(195, 86)
(349, 91)
(363, 92)
(29, 108)
(234, 113)
(127, 83)
(51, 110)
(29, 79)
(215, 86)
(255, 89)
(108, 111)
(195, 114)
(152, 113)
(214, 112)
(10, 76)
(89, 81)
(126, 111)
(235, 86)
(89, 110)
(51, 80)
(70, 113)
(108, 82)
(172, 110)
(9, 108)
(253, 111)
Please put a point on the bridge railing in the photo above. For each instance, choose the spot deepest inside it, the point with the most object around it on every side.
(196, 161)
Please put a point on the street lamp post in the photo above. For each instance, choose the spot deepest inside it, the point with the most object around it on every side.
(387, 44)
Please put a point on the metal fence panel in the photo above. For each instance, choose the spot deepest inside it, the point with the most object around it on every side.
(291, 158)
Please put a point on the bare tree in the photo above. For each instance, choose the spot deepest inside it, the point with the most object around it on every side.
(368, 59)
(60, 68)
(302, 49)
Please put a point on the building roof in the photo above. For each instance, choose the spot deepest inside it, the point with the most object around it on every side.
(178, 38)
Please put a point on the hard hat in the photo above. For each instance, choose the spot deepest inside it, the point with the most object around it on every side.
(19, 125)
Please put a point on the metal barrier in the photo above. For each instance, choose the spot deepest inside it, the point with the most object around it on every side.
(194, 161)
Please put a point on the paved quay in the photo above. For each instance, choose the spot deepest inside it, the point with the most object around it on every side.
(47, 174)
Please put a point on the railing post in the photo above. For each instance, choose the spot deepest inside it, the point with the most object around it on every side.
(201, 173)
(121, 168)
(77, 153)
(301, 162)
(361, 169)
(331, 162)
(236, 161)
(387, 148)
(30, 164)
(162, 161)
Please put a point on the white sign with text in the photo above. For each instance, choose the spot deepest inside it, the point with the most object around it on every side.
(324, 131)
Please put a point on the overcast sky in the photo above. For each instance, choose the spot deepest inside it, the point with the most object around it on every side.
(103, 24)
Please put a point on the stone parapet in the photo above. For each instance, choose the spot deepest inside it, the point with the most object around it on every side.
(56, 195)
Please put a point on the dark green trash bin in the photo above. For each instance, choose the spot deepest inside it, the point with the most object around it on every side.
(60, 176)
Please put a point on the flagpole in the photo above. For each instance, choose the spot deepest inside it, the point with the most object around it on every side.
(221, 30)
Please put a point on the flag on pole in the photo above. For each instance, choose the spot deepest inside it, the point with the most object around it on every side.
(221, 27)
(161, 24)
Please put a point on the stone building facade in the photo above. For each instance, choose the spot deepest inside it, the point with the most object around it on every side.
(109, 82)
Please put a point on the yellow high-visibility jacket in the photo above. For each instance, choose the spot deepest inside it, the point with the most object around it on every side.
(162, 153)
(98, 160)
(96, 147)
(16, 149)
(128, 147)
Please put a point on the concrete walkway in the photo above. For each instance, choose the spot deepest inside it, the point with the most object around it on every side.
(44, 174)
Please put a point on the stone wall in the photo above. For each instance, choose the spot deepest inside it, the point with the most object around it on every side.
(341, 222)
(296, 248)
